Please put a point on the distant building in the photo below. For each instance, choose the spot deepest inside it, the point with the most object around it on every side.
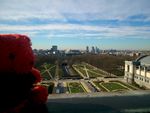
(138, 71)
(97, 50)
(54, 49)
(62, 52)
(41, 52)
(93, 50)
(73, 52)
(87, 49)
(135, 54)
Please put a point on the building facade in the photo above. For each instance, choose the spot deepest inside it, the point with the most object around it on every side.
(54, 50)
(87, 49)
(93, 50)
(138, 71)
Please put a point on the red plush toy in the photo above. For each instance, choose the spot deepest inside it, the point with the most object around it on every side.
(18, 78)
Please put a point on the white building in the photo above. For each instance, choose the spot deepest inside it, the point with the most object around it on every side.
(138, 71)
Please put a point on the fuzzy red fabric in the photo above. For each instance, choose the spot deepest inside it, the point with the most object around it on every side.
(16, 56)
(39, 94)
(16, 53)
(36, 74)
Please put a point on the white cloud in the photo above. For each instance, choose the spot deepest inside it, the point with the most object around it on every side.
(74, 30)
(76, 9)
(50, 27)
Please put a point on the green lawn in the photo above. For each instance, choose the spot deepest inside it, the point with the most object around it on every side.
(126, 84)
(75, 87)
(73, 71)
(52, 71)
(112, 86)
(41, 69)
(44, 73)
(94, 69)
(98, 85)
(80, 68)
(92, 74)
(48, 65)
(46, 76)
(88, 66)
(82, 71)
(98, 71)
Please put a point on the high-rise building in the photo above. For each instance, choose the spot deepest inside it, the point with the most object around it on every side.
(54, 48)
(93, 49)
(87, 49)
(97, 50)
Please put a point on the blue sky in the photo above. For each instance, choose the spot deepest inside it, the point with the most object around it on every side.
(107, 24)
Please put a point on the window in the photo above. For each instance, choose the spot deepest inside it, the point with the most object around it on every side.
(147, 81)
(128, 68)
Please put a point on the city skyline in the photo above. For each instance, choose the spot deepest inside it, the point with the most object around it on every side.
(71, 24)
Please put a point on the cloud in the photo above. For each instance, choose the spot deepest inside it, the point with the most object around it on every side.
(51, 27)
(73, 9)
(75, 30)
(76, 18)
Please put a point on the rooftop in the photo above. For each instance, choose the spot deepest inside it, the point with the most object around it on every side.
(144, 60)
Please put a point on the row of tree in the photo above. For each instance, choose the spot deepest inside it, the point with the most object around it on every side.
(109, 63)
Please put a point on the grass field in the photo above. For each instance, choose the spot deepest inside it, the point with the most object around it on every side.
(127, 85)
(44, 71)
(46, 76)
(75, 87)
(113, 86)
(94, 69)
(92, 72)
(41, 69)
(52, 70)
(80, 68)
(98, 85)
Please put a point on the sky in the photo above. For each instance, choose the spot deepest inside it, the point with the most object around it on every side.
(75, 24)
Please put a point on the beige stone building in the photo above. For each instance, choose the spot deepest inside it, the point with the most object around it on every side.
(138, 71)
